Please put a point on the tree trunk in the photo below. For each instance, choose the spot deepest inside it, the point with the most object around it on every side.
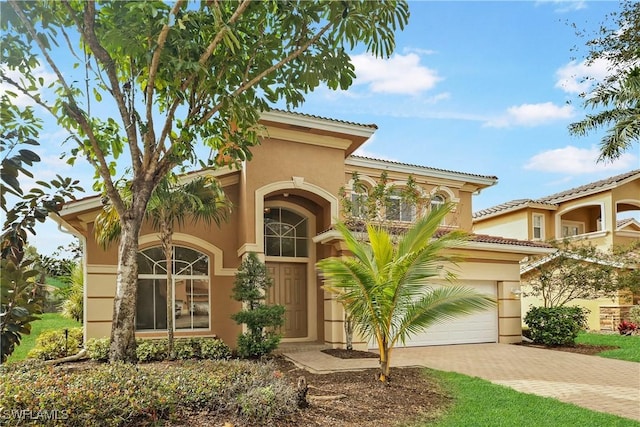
(167, 246)
(385, 365)
(123, 327)
(348, 331)
(123, 340)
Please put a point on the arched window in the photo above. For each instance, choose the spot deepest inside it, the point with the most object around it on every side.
(285, 233)
(190, 281)
(436, 201)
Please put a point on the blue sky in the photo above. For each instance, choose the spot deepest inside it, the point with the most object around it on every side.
(479, 87)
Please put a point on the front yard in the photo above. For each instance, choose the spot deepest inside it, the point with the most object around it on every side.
(210, 393)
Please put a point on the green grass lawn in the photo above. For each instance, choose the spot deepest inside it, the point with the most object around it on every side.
(56, 282)
(629, 345)
(481, 403)
(47, 321)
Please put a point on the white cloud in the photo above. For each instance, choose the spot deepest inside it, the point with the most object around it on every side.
(21, 99)
(364, 151)
(578, 77)
(419, 51)
(532, 115)
(574, 160)
(400, 74)
(564, 6)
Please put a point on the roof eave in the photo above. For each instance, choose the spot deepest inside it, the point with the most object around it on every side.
(408, 169)
(319, 123)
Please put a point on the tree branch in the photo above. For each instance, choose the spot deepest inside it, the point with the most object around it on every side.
(271, 69)
(203, 59)
(71, 107)
(88, 32)
(150, 138)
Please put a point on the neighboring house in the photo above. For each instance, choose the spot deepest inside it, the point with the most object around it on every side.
(286, 201)
(589, 214)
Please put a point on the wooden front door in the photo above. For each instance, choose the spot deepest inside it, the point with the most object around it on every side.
(290, 289)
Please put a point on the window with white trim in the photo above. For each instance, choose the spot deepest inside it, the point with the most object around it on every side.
(190, 280)
(399, 209)
(538, 226)
(285, 233)
(436, 201)
(358, 205)
(571, 228)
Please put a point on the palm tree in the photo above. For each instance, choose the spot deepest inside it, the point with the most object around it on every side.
(622, 96)
(201, 199)
(384, 285)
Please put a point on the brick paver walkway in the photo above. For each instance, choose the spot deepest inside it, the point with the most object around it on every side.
(597, 383)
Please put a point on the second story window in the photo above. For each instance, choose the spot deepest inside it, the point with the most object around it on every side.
(538, 227)
(399, 209)
(572, 228)
(436, 201)
(359, 205)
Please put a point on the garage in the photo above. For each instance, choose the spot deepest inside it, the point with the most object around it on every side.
(476, 328)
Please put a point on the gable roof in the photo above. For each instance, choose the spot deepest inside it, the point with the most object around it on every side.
(594, 187)
(482, 180)
(627, 222)
(278, 114)
(552, 202)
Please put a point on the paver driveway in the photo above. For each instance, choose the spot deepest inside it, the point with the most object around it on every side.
(596, 383)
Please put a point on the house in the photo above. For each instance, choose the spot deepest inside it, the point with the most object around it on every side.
(286, 200)
(590, 214)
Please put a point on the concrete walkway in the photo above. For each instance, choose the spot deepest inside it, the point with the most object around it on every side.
(597, 383)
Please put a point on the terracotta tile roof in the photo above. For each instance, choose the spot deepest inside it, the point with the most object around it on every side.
(484, 238)
(398, 228)
(553, 200)
(427, 168)
(622, 222)
(502, 207)
(313, 116)
(587, 188)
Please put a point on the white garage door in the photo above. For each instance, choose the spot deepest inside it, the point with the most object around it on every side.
(475, 328)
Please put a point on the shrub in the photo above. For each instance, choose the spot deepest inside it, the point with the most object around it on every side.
(214, 349)
(151, 350)
(187, 348)
(252, 346)
(98, 349)
(123, 394)
(634, 314)
(262, 320)
(54, 344)
(627, 328)
(555, 326)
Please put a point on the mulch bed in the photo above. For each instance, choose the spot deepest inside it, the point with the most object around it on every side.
(350, 354)
(357, 398)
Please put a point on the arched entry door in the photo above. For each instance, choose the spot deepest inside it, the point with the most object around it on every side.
(286, 243)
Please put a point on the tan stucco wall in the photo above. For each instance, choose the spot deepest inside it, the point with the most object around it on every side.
(514, 225)
(593, 319)
(456, 192)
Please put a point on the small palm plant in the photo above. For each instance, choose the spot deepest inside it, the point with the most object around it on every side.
(384, 285)
(73, 305)
(171, 203)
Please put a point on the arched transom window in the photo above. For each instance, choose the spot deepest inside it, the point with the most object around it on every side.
(190, 281)
(285, 233)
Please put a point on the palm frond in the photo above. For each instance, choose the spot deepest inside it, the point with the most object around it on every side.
(440, 305)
